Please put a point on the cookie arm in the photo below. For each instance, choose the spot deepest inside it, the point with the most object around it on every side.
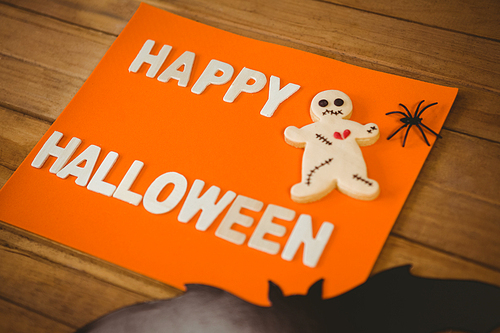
(294, 137)
(368, 134)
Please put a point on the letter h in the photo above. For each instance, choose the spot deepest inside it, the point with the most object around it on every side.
(50, 148)
(145, 56)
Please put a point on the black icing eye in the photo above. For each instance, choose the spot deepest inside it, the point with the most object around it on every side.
(323, 103)
(338, 102)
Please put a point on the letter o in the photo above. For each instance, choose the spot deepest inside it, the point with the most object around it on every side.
(150, 200)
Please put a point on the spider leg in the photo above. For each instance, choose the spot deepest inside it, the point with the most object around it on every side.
(423, 134)
(406, 134)
(409, 113)
(439, 136)
(418, 107)
(428, 106)
(388, 113)
(399, 129)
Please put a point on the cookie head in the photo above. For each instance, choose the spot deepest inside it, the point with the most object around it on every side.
(331, 105)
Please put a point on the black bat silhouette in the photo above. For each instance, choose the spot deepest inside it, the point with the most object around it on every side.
(393, 301)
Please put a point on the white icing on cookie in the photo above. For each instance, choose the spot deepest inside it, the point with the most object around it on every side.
(332, 157)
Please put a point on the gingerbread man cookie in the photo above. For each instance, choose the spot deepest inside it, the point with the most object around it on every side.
(332, 157)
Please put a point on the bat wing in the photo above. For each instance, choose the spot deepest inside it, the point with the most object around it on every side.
(396, 301)
(393, 301)
(201, 308)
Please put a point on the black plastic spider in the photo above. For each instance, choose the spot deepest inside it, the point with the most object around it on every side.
(411, 120)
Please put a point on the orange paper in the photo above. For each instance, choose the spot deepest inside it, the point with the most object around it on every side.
(229, 145)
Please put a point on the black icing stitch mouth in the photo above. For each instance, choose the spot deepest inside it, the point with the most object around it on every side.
(332, 112)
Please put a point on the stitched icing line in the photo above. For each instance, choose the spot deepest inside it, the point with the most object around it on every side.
(323, 139)
(332, 112)
(309, 175)
(372, 128)
(363, 180)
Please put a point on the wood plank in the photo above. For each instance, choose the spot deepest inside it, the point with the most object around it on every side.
(34, 90)
(475, 112)
(51, 43)
(359, 37)
(430, 263)
(51, 251)
(464, 164)
(55, 291)
(98, 15)
(467, 16)
(4, 175)
(70, 296)
(452, 222)
(16, 319)
(454, 205)
(473, 17)
(18, 135)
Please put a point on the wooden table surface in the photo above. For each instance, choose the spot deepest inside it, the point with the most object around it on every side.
(450, 224)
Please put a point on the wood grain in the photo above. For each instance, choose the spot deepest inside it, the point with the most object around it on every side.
(454, 206)
(18, 135)
(430, 263)
(37, 39)
(466, 16)
(5, 174)
(69, 295)
(34, 90)
(475, 112)
(107, 16)
(27, 321)
(25, 242)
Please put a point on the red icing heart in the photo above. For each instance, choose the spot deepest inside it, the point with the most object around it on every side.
(338, 136)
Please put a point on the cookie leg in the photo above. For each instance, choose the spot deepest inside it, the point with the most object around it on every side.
(359, 186)
(317, 181)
